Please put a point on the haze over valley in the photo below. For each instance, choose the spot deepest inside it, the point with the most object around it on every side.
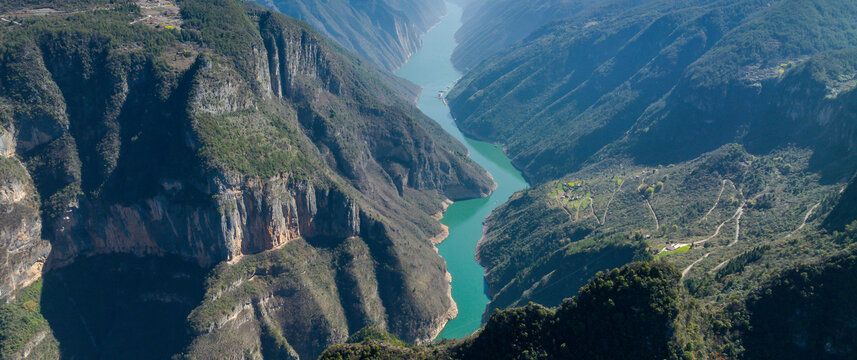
(428, 179)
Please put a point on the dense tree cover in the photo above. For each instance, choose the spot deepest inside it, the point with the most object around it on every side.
(623, 313)
(517, 333)
(20, 321)
(806, 313)
(639, 302)
(845, 211)
(738, 263)
(376, 334)
(663, 82)
(640, 311)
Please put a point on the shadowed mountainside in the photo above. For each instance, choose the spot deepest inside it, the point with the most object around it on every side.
(641, 311)
(238, 140)
(716, 135)
(386, 32)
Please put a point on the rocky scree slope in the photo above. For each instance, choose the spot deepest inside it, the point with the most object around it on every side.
(244, 139)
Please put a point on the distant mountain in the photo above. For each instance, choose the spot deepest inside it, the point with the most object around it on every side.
(490, 26)
(654, 76)
(203, 179)
(717, 135)
(386, 32)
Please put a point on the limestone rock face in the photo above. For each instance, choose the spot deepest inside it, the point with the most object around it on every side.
(258, 217)
(22, 250)
(282, 166)
(386, 32)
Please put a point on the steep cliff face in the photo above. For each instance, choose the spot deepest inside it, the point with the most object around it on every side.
(490, 26)
(267, 151)
(386, 32)
(347, 283)
(644, 300)
(22, 251)
(808, 103)
(802, 312)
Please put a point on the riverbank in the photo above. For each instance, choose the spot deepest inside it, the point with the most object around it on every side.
(431, 68)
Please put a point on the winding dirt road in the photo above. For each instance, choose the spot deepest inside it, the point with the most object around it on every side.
(657, 223)
(687, 269)
(738, 215)
(604, 218)
(805, 219)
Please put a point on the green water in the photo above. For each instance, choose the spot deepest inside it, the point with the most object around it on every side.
(431, 68)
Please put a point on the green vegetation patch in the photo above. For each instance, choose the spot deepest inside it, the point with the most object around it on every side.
(107, 25)
(60, 5)
(680, 250)
(695, 200)
(225, 27)
(11, 170)
(372, 333)
(226, 145)
(619, 314)
(21, 321)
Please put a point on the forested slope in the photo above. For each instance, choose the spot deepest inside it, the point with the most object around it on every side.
(641, 311)
(215, 173)
(711, 134)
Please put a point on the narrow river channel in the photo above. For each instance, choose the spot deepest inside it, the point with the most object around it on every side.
(431, 69)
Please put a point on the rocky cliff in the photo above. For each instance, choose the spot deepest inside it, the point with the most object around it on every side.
(244, 139)
(23, 251)
(386, 32)
(800, 313)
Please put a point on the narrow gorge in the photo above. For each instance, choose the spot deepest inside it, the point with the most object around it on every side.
(432, 69)
(260, 195)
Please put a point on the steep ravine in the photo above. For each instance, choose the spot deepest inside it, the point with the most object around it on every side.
(385, 32)
(300, 184)
(432, 69)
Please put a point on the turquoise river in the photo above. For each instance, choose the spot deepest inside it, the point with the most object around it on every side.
(431, 69)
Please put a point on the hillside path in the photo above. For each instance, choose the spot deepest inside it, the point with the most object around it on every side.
(687, 269)
(738, 216)
(657, 223)
(805, 219)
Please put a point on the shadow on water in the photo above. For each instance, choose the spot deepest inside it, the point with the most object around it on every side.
(122, 306)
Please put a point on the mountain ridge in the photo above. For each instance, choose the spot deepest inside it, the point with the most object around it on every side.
(713, 135)
(384, 32)
(242, 143)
